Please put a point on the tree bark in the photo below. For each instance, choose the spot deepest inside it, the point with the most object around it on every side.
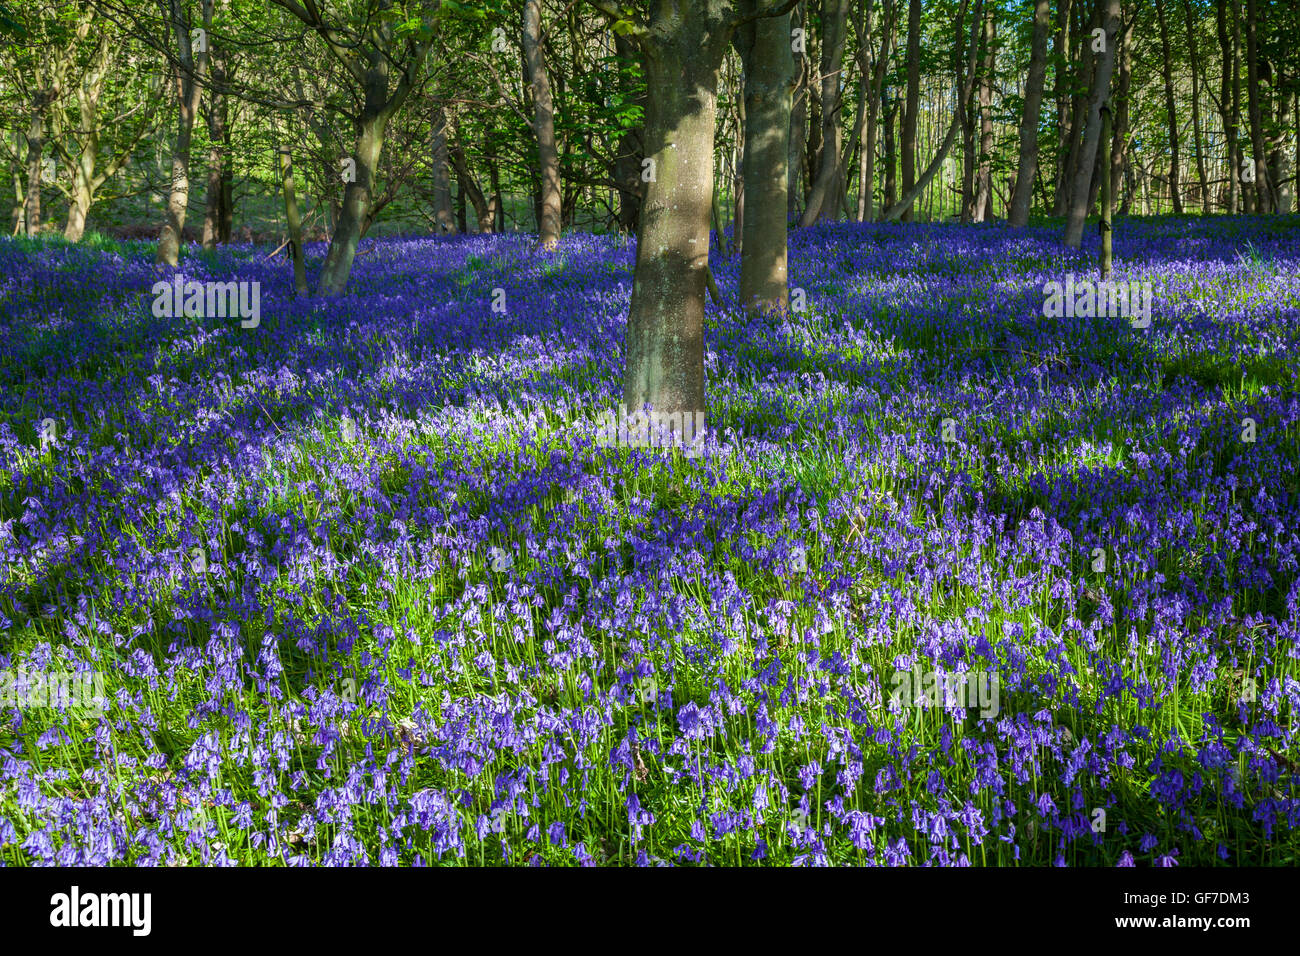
(1263, 199)
(549, 220)
(1106, 254)
(293, 221)
(823, 202)
(189, 77)
(912, 106)
(1022, 196)
(1197, 142)
(1167, 69)
(683, 49)
(1061, 92)
(984, 177)
(1088, 152)
(764, 47)
(217, 118)
(1226, 104)
(444, 217)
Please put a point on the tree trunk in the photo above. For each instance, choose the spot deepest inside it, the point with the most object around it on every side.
(984, 178)
(1022, 196)
(217, 116)
(798, 120)
(1107, 253)
(1226, 104)
(764, 47)
(1197, 141)
(35, 149)
(549, 220)
(891, 159)
(1120, 101)
(1061, 92)
(356, 197)
(189, 77)
(484, 213)
(823, 202)
(665, 326)
(1167, 69)
(293, 221)
(1082, 186)
(1262, 197)
(1279, 159)
(866, 173)
(443, 216)
(912, 107)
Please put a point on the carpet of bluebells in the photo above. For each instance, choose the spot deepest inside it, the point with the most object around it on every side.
(365, 588)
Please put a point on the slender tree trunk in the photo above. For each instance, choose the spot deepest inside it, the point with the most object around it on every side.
(912, 107)
(1167, 68)
(217, 115)
(823, 202)
(969, 157)
(189, 78)
(1120, 101)
(35, 150)
(358, 194)
(1061, 92)
(1226, 116)
(890, 158)
(764, 47)
(484, 213)
(549, 221)
(1279, 159)
(1197, 142)
(293, 221)
(1022, 196)
(1107, 252)
(444, 217)
(1088, 151)
(984, 178)
(1262, 197)
(798, 119)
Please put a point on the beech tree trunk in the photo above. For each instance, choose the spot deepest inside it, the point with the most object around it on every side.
(1022, 196)
(444, 218)
(217, 117)
(292, 220)
(912, 106)
(1175, 191)
(1082, 186)
(764, 47)
(1226, 117)
(550, 214)
(189, 77)
(683, 51)
(984, 176)
(823, 201)
(1263, 199)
